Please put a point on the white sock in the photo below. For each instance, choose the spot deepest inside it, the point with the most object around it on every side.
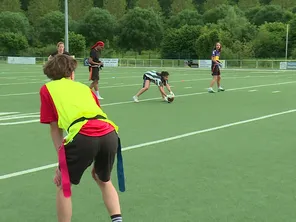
(97, 93)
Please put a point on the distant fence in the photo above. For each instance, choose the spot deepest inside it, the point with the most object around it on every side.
(119, 62)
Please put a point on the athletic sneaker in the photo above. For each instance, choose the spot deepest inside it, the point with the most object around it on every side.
(210, 90)
(135, 98)
(220, 89)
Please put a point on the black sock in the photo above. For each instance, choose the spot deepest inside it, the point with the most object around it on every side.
(116, 218)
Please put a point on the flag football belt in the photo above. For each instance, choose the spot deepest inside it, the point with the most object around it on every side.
(84, 118)
(64, 169)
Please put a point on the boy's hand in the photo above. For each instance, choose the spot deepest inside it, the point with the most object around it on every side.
(172, 94)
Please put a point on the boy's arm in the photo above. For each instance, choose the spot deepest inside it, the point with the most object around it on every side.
(169, 89)
(163, 94)
(56, 135)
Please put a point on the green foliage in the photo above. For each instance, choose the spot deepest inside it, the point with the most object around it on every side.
(180, 42)
(76, 44)
(285, 4)
(98, 24)
(51, 27)
(38, 8)
(15, 22)
(206, 42)
(154, 4)
(10, 5)
(210, 4)
(165, 6)
(215, 14)
(12, 43)
(78, 8)
(185, 17)
(246, 4)
(180, 5)
(115, 7)
(237, 25)
(271, 13)
(270, 40)
(293, 54)
(175, 28)
(140, 29)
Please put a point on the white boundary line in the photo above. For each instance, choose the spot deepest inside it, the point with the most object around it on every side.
(23, 172)
(144, 100)
(136, 84)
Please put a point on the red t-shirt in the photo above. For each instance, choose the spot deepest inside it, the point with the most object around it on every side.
(48, 114)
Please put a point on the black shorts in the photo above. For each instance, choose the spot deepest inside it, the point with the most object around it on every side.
(94, 73)
(145, 78)
(215, 70)
(84, 150)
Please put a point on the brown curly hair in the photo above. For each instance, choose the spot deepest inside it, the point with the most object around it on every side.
(60, 66)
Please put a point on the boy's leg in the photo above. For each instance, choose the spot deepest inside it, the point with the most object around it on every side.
(79, 156)
(64, 206)
(102, 174)
(146, 86)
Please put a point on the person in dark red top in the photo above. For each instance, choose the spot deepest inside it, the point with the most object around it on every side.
(94, 65)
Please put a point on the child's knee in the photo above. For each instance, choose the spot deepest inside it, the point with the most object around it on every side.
(146, 88)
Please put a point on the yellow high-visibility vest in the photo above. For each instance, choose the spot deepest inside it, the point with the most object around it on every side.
(74, 100)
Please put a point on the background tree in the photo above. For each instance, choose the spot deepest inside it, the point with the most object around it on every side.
(51, 27)
(97, 24)
(154, 4)
(78, 8)
(246, 4)
(13, 43)
(208, 5)
(180, 43)
(38, 9)
(76, 44)
(185, 17)
(140, 29)
(180, 5)
(15, 22)
(116, 7)
(270, 40)
(206, 42)
(10, 5)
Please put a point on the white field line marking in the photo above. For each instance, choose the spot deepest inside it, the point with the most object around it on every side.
(188, 87)
(19, 117)
(276, 91)
(114, 86)
(156, 98)
(120, 86)
(5, 113)
(19, 173)
(253, 90)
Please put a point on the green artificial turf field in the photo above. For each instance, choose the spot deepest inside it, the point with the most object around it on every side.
(223, 157)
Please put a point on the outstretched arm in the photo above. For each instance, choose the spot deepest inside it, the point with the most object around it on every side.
(162, 92)
(56, 135)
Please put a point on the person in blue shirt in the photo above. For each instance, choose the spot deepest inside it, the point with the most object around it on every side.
(216, 64)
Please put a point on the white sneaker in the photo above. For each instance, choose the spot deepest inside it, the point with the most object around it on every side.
(210, 90)
(135, 98)
(99, 97)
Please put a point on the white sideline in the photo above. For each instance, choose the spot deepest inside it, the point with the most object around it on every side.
(127, 85)
(127, 102)
(19, 173)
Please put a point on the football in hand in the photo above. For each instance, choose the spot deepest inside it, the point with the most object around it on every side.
(170, 98)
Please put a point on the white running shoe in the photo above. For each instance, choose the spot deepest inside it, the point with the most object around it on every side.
(135, 98)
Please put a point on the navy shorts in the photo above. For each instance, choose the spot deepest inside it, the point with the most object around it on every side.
(215, 70)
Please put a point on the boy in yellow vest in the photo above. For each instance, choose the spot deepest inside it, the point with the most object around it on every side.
(91, 136)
